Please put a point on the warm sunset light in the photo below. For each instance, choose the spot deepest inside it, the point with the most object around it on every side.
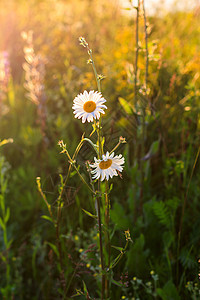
(99, 149)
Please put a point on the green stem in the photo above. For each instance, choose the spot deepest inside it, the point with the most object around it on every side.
(45, 199)
(142, 155)
(90, 142)
(81, 177)
(137, 50)
(57, 226)
(100, 152)
(146, 46)
(70, 281)
(78, 148)
(94, 69)
(119, 143)
(72, 162)
(98, 199)
(120, 256)
(107, 237)
(99, 89)
(101, 250)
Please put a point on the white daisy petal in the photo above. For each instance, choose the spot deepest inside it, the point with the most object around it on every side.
(103, 176)
(84, 118)
(107, 166)
(78, 114)
(96, 176)
(89, 106)
(97, 115)
(90, 118)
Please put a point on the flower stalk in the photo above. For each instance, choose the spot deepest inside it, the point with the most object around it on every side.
(137, 49)
(89, 107)
(146, 46)
(107, 236)
(104, 167)
(100, 152)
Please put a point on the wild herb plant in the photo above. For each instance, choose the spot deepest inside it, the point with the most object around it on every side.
(5, 257)
(90, 107)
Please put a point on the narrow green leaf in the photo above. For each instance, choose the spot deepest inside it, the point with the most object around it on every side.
(78, 293)
(54, 248)
(72, 173)
(116, 283)
(111, 187)
(7, 216)
(116, 260)
(47, 218)
(126, 106)
(154, 147)
(2, 224)
(9, 243)
(89, 214)
(2, 257)
(61, 179)
(85, 288)
(117, 248)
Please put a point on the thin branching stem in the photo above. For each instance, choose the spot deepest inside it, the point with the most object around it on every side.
(100, 150)
(137, 49)
(101, 249)
(99, 89)
(98, 81)
(119, 257)
(108, 246)
(78, 148)
(146, 47)
(95, 71)
(45, 199)
(81, 177)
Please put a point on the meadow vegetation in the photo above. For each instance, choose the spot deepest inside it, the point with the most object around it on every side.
(49, 234)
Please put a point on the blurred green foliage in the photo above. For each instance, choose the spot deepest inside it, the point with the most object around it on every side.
(171, 176)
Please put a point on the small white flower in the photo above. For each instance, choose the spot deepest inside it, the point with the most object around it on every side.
(107, 166)
(88, 106)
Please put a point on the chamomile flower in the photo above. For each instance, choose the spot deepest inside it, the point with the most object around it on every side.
(107, 166)
(89, 106)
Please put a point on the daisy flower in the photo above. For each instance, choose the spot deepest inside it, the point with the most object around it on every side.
(88, 106)
(107, 166)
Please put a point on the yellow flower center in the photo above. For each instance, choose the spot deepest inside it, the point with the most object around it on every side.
(105, 164)
(89, 106)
